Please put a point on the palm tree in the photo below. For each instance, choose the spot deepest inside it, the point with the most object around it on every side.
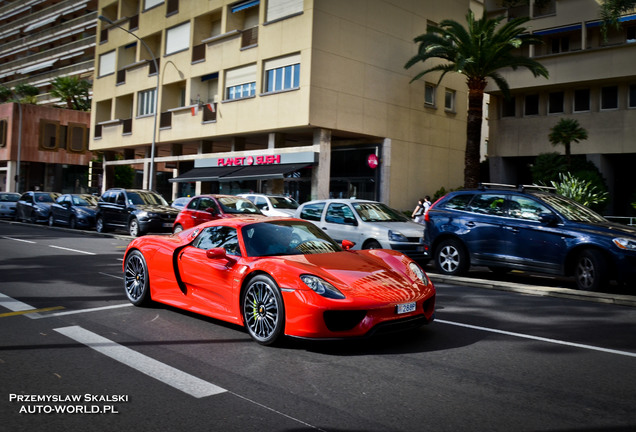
(478, 52)
(73, 92)
(565, 132)
(611, 10)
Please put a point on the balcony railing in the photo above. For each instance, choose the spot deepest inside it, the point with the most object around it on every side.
(126, 126)
(165, 121)
(249, 37)
(198, 53)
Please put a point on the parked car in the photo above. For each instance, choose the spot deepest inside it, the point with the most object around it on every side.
(273, 205)
(34, 206)
(204, 208)
(369, 224)
(8, 202)
(180, 203)
(135, 210)
(303, 283)
(74, 210)
(531, 229)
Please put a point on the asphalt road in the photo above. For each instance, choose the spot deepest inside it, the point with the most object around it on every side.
(74, 355)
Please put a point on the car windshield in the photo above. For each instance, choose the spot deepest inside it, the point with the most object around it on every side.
(283, 203)
(572, 210)
(378, 212)
(148, 198)
(232, 204)
(84, 201)
(9, 197)
(278, 238)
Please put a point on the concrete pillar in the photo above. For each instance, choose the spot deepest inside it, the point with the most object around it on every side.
(11, 172)
(385, 171)
(322, 170)
(108, 171)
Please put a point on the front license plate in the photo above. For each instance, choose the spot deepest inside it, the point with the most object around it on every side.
(405, 308)
(167, 225)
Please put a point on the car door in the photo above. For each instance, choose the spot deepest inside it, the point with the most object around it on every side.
(340, 223)
(533, 243)
(481, 228)
(61, 209)
(211, 282)
(23, 207)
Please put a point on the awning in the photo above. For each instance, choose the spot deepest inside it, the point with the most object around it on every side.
(42, 23)
(38, 66)
(244, 5)
(230, 173)
(558, 30)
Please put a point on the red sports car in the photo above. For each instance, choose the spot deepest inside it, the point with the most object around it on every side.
(279, 276)
(204, 208)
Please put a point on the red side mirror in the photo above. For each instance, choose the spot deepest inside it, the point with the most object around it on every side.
(347, 244)
(216, 253)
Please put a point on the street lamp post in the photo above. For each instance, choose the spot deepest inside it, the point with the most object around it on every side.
(17, 169)
(154, 129)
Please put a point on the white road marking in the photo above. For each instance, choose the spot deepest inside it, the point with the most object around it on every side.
(14, 305)
(173, 377)
(111, 275)
(79, 311)
(537, 338)
(72, 250)
(16, 239)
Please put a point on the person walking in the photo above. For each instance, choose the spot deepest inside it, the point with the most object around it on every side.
(427, 203)
(419, 212)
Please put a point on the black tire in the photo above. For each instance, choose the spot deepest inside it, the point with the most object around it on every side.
(371, 244)
(263, 310)
(133, 228)
(590, 271)
(136, 280)
(72, 222)
(177, 228)
(451, 258)
(100, 225)
(51, 220)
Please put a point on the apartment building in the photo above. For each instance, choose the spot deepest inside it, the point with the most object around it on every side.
(41, 146)
(592, 80)
(304, 97)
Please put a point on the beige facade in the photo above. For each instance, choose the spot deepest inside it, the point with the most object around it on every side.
(592, 79)
(249, 80)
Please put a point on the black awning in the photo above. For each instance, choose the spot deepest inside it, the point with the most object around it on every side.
(262, 172)
(204, 174)
(229, 173)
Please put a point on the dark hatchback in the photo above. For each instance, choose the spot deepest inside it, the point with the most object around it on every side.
(134, 210)
(74, 210)
(530, 229)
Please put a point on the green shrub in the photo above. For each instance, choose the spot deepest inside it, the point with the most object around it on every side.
(581, 191)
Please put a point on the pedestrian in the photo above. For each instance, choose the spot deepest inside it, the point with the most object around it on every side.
(427, 203)
(418, 213)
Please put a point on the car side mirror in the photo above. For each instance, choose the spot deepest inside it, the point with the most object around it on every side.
(347, 244)
(548, 218)
(211, 210)
(216, 253)
(350, 221)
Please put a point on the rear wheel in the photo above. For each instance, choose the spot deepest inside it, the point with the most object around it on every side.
(72, 222)
(451, 257)
(136, 280)
(591, 271)
(263, 310)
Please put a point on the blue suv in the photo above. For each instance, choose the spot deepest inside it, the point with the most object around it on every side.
(529, 228)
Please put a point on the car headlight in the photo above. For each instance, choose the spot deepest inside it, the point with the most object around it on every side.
(322, 287)
(397, 236)
(625, 243)
(418, 272)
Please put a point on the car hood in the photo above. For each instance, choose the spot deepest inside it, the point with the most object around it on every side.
(408, 228)
(158, 209)
(375, 275)
(609, 228)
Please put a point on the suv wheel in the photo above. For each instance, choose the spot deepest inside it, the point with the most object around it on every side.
(100, 226)
(133, 228)
(591, 270)
(451, 257)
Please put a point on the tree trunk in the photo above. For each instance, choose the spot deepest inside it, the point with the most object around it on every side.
(473, 132)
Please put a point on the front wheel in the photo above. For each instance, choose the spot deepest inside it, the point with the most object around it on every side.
(451, 258)
(51, 220)
(72, 223)
(263, 310)
(100, 225)
(177, 229)
(372, 244)
(133, 228)
(136, 281)
(591, 271)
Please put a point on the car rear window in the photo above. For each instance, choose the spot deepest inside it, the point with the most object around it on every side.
(312, 211)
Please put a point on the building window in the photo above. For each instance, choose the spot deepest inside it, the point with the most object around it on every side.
(151, 3)
(277, 9)
(531, 105)
(555, 103)
(429, 95)
(146, 102)
(107, 63)
(509, 107)
(49, 134)
(609, 98)
(560, 44)
(282, 74)
(632, 96)
(76, 138)
(240, 83)
(172, 7)
(631, 34)
(449, 100)
(581, 100)
(178, 38)
(3, 132)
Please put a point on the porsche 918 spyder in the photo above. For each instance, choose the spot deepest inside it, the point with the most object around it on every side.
(279, 277)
